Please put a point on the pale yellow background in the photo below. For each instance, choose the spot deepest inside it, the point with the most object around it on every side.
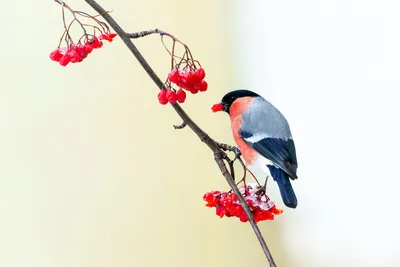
(92, 173)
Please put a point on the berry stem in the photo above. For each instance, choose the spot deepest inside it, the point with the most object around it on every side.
(172, 57)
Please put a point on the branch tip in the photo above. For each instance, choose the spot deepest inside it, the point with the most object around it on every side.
(136, 35)
(180, 126)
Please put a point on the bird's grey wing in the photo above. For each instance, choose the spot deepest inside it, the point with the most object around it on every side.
(265, 129)
(279, 151)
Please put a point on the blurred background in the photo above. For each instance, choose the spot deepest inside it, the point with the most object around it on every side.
(92, 172)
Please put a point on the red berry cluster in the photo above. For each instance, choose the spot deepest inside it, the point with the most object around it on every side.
(165, 96)
(76, 53)
(186, 73)
(189, 79)
(227, 204)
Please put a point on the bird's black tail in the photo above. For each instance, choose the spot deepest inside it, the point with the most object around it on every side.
(287, 193)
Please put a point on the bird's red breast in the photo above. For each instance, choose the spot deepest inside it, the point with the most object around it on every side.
(238, 107)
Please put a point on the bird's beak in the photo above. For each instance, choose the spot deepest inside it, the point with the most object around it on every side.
(217, 107)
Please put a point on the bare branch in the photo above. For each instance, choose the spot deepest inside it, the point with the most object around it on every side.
(219, 155)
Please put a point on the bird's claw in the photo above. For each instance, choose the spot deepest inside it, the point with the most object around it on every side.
(237, 152)
(260, 190)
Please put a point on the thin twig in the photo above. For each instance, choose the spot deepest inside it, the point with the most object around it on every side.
(136, 35)
(180, 126)
(237, 152)
(204, 137)
(231, 168)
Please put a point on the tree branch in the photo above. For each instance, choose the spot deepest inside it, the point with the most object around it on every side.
(203, 136)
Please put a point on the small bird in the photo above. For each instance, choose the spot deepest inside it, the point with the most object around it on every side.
(263, 136)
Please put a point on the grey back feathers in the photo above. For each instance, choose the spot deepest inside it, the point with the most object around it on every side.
(263, 120)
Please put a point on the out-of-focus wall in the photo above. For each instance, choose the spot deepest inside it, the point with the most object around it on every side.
(332, 67)
(92, 172)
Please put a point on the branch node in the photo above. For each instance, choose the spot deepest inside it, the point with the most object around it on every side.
(218, 155)
(203, 137)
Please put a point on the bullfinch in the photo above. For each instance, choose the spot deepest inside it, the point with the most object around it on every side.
(263, 136)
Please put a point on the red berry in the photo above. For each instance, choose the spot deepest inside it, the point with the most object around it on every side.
(103, 36)
(262, 215)
(88, 47)
(200, 74)
(174, 76)
(227, 203)
(268, 215)
(212, 201)
(184, 86)
(223, 196)
(74, 55)
(64, 60)
(162, 97)
(112, 36)
(203, 86)
(56, 55)
(95, 42)
(220, 211)
(180, 96)
(243, 217)
(196, 86)
(207, 196)
(189, 77)
(107, 36)
(81, 51)
(216, 193)
(239, 210)
(217, 107)
(232, 209)
(193, 90)
(183, 79)
(171, 96)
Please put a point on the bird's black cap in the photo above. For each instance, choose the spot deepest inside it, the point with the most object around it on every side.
(230, 97)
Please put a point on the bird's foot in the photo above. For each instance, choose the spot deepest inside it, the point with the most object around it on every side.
(260, 190)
